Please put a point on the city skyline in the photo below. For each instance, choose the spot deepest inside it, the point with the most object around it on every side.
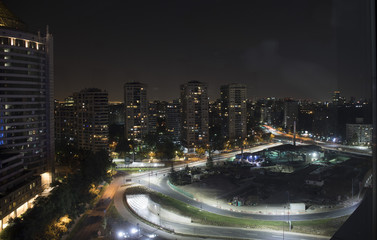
(287, 149)
(299, 51)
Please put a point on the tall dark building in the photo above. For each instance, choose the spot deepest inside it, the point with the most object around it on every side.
(26, 115)
(116, 113)
(233, 111)
(136, 110)
(194, 99)
(215, 119)
(337, 99)
(290, 113)
(82, 120)
(65, 131)
(157, 116)
(173, 119)
(92, 119)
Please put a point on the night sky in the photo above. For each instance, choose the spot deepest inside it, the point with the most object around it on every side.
(295, 48)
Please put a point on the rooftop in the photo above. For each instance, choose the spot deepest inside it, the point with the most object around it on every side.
(9, 20)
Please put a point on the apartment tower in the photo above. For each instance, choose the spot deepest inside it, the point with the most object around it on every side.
(136, 110)
(26, 115)
(233, 111)
(194, 100)
(91, 119)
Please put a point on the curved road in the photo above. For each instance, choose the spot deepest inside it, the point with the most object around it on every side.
(162, 187)
(165, 189)
(209, 232)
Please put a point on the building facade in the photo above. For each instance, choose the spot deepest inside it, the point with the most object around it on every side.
(136, 110)
(26, 115)
(116, 113)
(359, 134)
(91, 119)
(194, 99)
(65, 131)
(290, 114)
(233, 108)
(173, 119)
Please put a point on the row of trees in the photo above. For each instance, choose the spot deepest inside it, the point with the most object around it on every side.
(153, 145)
(218, 142)
(50, 216)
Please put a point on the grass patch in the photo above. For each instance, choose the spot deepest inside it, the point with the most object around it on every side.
(203, 217)
(325, 227)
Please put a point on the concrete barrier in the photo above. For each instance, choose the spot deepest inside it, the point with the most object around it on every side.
(180, 190)
(165, 214)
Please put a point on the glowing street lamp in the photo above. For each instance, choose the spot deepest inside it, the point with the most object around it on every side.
(121, 234)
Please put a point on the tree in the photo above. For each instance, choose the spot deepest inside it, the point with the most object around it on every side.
(209, 163)
(266, 137)
(50, 215)
(173, 175)
(200, 151)
(355, 138)
(67, 155)
(123, 146)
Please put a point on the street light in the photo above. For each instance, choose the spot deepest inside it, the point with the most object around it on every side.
(121, 234)
(288, 207)
(133, 230)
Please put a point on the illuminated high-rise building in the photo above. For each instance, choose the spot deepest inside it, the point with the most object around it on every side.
(91, 119)
(136, 110)
(65, 130)
(26, 115)
(194, 100)
(337, 99)
(173, 119)
(233, 111)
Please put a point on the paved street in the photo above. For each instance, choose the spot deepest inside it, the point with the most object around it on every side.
(157, 181)
(211, 231)
(165, 189)
(93, 221)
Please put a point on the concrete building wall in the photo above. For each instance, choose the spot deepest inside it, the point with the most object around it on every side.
(165, 214)
(361, 133)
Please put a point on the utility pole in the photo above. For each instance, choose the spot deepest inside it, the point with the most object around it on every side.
(294, 133)
(289, 222)
(283, 223)
(352, 188)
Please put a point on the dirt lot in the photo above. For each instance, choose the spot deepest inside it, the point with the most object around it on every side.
(258, 186)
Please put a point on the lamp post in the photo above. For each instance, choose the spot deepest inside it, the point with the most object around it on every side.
(288, 206)
(283, 222)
